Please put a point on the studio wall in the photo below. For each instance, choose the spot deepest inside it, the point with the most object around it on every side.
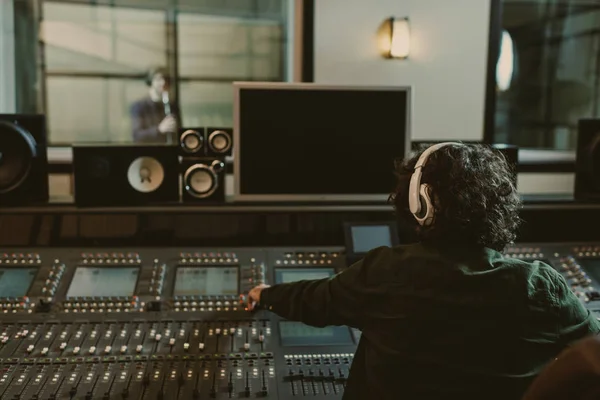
(446, 66)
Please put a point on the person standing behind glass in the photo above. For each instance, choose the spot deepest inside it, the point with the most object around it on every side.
(154, 117)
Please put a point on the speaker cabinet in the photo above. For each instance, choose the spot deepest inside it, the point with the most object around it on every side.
(219, 142)
(192, 142)
(125, 175)
(23, 160)
(587, 164)
(203, 180)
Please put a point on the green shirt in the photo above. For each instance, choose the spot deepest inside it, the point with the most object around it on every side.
(442, 323)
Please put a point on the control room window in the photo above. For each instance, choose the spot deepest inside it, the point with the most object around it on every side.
(95, 56)
(551, 79)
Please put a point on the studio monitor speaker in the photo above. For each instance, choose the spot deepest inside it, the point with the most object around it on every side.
(23, 159)
(124, 175)
(587, 164)
(203, 180)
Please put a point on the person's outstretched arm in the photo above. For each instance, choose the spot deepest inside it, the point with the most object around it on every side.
(343, 299)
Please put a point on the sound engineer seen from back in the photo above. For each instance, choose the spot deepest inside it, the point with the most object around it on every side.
(448, 317)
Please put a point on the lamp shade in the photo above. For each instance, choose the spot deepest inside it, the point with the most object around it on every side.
(394, 38)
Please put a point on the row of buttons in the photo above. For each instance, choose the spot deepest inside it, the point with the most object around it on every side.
(118, 261)
(104, 298)
(205, 303)
(532, 256)
(207, 298)
(210, 255)
(101, 310)
(229, 260)
(8, 261)
(19, 255)
(194, 309)
(101, 305)
(303, 262)
(311, 255)
(111, 255)
(586, 248)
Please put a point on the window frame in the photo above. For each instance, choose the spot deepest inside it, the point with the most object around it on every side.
(302, 51)
(530, 160)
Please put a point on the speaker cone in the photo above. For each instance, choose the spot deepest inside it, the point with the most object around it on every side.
(191, 141)
(220, 141)
(145, 174)
(201, 180)
(17, 151)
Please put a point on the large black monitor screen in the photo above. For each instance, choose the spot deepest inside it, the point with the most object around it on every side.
(319, 143)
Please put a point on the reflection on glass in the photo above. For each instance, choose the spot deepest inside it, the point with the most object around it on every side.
(97, 56)
(556, 80)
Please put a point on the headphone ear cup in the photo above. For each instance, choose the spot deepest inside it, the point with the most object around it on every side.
(427, 213)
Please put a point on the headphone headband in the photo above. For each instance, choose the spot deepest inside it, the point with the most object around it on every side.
(418, 196)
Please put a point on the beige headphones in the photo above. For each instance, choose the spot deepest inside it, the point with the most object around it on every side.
(419, 202)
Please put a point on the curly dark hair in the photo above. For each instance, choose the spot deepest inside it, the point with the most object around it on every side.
(472, 186)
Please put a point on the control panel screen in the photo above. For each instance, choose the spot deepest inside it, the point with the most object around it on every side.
(592, 267)
(15, 282)
(199, 281)
(286, 275)
(298, 334)
(103, 282)
(368, 237)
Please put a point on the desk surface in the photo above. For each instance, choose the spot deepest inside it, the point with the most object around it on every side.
(60, 205)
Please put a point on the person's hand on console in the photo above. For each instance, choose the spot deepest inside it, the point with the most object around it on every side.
(168, 125)
(254, 296)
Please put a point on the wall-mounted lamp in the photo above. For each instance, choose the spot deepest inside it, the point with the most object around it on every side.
(394, 38)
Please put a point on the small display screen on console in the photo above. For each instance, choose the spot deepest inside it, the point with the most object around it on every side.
(591, 266)
(298, 334)
(287, 275)
(200, 281)
(369, 237)
(103, 282)
(15, 282)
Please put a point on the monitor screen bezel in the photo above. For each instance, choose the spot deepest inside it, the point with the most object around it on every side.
(238, 87)
(350, 243)
(104, 266)
(237, 267)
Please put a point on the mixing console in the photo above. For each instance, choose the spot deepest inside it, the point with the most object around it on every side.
(172, 323)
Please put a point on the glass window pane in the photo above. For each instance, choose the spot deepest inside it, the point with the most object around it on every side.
(240, 49)
(556, 72)
(91, 109)
(206, 104)
(85, 38)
